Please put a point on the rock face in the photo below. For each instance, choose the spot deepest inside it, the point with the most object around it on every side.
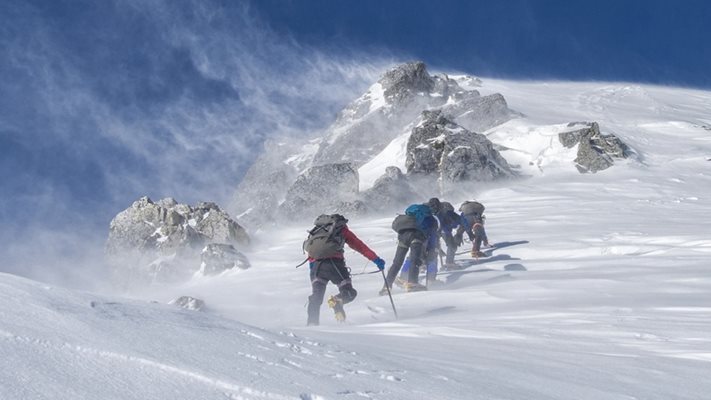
(368, 124)
(389, 191)
(321, 189)
(162, 241)
(360, 132)
(217, 258)
(439, 147)
(478, 113)
(404, 82)
(596, 151)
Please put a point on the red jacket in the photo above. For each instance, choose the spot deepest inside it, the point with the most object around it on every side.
(354, 243)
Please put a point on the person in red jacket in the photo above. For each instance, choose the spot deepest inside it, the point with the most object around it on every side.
(325, 246)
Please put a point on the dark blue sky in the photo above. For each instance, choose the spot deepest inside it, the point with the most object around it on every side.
(102, 102)
(636, 40)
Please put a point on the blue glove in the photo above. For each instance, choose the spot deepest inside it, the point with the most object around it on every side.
(380, 263)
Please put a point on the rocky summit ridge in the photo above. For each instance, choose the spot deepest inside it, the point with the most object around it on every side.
(390, 108)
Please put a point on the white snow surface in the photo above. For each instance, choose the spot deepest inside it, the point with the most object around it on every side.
(600, 289)
(394, 154)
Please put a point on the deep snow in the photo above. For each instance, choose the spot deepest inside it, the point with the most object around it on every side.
(603, 293)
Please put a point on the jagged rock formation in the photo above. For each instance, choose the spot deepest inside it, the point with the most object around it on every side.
(217, 258)
(439, 147)
(596, 151)
(188, 303)
(389, 191)
(361, 131)
(322, 189)
(368, 124)
(162, 240)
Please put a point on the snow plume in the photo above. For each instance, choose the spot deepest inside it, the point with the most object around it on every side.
(105, 102)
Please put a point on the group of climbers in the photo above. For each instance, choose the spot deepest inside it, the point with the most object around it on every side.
(440, 222)
(419, 231)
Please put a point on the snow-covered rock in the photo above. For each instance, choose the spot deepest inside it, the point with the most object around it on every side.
(372, 121)
(439, 147)
(478, 113)
(162, 240)
(321, 189)
(189, 303)
(389, 191)
(219, 257)
(359, 134)
(596, 151)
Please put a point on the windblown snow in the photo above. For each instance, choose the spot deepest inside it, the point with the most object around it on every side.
(598, 287)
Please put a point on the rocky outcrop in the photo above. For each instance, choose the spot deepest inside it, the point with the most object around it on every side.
(162, 241)
(478, 113)
(322, 189)
(404, 82)
(188, 303)
(368, 124)
(596, 151)
(217, 258)
(389, 191)
(439, 147)
(360, 132)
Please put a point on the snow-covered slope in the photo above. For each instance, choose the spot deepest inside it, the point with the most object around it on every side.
(56, 343)
(600, 288)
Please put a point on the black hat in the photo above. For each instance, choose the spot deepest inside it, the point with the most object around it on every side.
(434, 204)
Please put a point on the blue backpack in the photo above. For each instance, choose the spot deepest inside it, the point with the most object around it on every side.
(421, 212)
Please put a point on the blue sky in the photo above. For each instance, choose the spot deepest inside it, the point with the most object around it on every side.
(105, 101)
(637, 40)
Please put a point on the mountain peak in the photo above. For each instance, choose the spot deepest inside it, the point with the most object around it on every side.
(407, 79)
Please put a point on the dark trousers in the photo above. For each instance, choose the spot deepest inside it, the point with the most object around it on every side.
(410, 240)
(477, 233)
(323, 271)
(479, 236)
(451, 247)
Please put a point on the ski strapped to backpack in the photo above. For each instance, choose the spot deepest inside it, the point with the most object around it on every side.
(326, 238)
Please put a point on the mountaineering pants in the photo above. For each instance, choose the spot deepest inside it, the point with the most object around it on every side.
(478, 234)
(408, 240)
(451, 247)
(324, 271)
(431, 268)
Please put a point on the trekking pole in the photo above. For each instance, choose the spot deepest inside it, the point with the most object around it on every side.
(365, 273)
(392, 303)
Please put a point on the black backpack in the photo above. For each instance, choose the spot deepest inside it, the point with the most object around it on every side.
(446, 214)
(326, 237)
(404, 222)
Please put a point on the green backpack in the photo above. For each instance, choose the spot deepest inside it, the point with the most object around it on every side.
(326, 237)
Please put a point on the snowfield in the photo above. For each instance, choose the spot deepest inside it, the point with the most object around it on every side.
(599, 287)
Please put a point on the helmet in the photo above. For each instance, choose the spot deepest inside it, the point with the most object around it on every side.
(434, 205)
